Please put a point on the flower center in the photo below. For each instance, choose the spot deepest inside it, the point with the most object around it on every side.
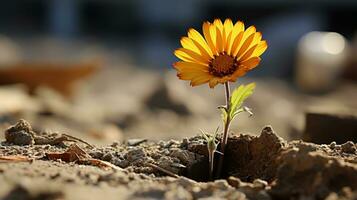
(222, 65)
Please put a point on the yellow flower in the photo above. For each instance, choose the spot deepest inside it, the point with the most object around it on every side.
(225, 52)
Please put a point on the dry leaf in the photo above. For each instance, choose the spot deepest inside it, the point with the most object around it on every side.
(74, 153)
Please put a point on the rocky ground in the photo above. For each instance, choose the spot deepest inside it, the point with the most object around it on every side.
(56, 166)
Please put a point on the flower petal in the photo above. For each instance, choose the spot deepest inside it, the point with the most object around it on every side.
(238, 73)
(200, 80)
(245, 45)
(188, 44)
(209, 38)
(248, 54)
(218, 24)
(189, 66)
(203, 51)
(219, 41)
(262, 46)
(250, 63)
(228, 26)
(213, 32)
(190, 56)
(237, 41)
(196, 36)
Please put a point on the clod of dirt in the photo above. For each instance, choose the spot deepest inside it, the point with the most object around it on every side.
(348, 147)
(246, 157)
(20, 134)
(305, 172)
(249, 157)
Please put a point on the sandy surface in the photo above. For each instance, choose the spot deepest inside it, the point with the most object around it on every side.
(256, 167)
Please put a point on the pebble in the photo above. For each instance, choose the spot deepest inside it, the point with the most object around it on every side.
(234, 181)
(135, 154)
(107, 157)
(261, 184)
(333, 145)
(19, 138)
(348, 147)
(135, 142)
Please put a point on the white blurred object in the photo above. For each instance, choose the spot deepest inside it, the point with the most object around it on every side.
(320, 61)
(9, 52)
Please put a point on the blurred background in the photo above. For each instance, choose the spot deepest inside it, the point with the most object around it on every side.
(102, 70)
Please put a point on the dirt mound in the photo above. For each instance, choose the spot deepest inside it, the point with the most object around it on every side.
(255, 167)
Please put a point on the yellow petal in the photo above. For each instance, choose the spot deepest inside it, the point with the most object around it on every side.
(196, 36)
(256, 40)
(192, 45)
(238, 73)
(262, 46)
(250, 30)
(250, 63)
(205, 51)
(218, 24)
(189, 66)
(248, 54)
(200, 80)
(190, 56)
(238, 26)
(229, 42)
(228, 27)
(213, 33)
(245, 45)
(206, 32)
(188, 44)
(236, 43)
(219, 41)
(190, 75)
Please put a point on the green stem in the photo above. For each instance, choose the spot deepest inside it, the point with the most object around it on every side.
(211, 165)
(225, 131)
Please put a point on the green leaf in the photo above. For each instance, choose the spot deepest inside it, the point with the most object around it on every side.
(239, 95)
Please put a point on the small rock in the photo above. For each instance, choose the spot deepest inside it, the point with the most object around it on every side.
(108, 157)
(184, 156)
(135, 142)
(19, 138)
(348, 147)
(20, 134)
(221, 184)
(234, 181)
(261, 184)
(333, 145)
(184, 143)
(115, 144)
(167, 163)
(135, 154)
(121, 163)
(97, 154)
